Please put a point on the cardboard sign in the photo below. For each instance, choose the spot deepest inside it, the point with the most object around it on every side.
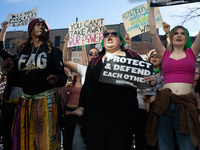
(22, 19)
(77, 57)
(136, 20)
(86, 32)
(141, 48)
(119, 70)
(159, 3)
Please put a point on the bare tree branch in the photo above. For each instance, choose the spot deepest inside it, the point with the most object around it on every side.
(189, 13)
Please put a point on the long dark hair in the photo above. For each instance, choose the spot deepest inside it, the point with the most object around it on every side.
(74, 80)
(30, 43)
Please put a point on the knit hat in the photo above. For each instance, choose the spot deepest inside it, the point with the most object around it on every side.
(188, 43)
(34, 21)
(120, 35)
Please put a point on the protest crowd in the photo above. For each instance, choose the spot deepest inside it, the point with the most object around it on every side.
(117, 99)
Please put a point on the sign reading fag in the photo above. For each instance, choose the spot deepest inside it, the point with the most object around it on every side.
(22, 19)
(159, 3)
(136, 20)
(124, 71)
(86, 32)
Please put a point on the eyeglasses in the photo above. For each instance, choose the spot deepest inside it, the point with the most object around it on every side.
(113, 34)
(152, 55)
(95, 53)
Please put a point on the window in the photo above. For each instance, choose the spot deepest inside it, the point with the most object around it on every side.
(136, 38)
(73, 48)
(10, 43)
(57, 41)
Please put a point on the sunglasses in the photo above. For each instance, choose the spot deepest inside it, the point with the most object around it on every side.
(152, 55)
(95, 53)
(113, 34)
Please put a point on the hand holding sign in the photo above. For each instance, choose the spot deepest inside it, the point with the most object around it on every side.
(66, 39)
(151, 79)
(166, 27)
(104, 29)
(127, 39)
(4, 25)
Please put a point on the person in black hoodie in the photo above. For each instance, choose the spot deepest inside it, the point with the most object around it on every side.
(37, 69)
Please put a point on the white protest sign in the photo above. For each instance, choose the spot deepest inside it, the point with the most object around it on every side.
(136, 20)
(86, 32)
(77, 57)
(22, 19)
(119, 70)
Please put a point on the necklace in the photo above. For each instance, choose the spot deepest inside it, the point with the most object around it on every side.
(31, 59)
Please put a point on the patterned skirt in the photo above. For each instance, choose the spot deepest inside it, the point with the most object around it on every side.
(36, 122)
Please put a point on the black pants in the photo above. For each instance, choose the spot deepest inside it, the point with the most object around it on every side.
(8, 113)
(140, 130)
(116, 139)
(69, 127)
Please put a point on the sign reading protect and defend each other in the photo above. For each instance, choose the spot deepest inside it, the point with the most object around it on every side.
(119, 70)
(86, 32)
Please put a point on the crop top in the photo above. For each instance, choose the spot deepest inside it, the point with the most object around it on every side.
(182, 70)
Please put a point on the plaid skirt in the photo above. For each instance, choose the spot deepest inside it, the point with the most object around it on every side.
(36, 122)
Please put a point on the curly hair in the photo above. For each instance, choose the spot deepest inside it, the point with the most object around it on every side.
(30, 43)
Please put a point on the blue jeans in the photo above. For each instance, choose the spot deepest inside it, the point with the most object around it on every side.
(78, 140)
(168, 131)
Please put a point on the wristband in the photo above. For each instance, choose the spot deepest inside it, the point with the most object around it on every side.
(128, 44)
(80, 108)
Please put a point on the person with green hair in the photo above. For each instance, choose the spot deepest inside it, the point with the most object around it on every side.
(166, 28)
(110, 111)
(177, 122)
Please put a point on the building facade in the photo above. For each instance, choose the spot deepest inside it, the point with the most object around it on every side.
(15, 38)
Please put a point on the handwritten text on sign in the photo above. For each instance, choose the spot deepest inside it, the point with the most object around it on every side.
(136, 20)
(77, 57)
(159, 3)
(86, 32)
(22, 19)
(124, 71)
